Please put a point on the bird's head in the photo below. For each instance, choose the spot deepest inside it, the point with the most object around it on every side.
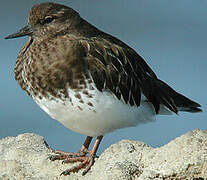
(48, 19)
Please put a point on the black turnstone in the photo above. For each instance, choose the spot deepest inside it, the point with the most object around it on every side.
(88, 80)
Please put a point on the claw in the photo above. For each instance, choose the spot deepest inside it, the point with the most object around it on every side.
(67, 161)
(52, 157)
(65, 173)
(64, 162)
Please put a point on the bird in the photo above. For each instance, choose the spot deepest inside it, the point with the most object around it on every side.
(88, 80)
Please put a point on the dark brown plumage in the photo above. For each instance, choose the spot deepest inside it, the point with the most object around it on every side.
(66, 58)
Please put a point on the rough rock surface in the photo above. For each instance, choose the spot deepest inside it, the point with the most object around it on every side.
(25, 157)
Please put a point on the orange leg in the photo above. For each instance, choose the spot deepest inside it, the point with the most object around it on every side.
(86, 160)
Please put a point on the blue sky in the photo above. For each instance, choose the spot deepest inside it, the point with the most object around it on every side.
(170, 35)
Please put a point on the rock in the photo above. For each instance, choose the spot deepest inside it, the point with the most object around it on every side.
(26, 157)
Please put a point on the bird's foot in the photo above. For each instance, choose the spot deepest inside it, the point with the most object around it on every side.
(86, 162)
(84, 156)
(68, 157)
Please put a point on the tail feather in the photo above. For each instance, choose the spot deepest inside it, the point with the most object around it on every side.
(191, 109)
(161, 93)
(185, 104)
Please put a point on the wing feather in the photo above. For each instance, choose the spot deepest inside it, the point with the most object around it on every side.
(109, 64)
(119, 69)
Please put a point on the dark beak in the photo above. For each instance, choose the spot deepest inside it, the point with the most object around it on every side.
(27, 30)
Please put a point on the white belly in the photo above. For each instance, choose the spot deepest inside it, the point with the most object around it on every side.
(98, 115)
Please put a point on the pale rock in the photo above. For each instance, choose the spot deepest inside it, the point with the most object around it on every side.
(25, 157)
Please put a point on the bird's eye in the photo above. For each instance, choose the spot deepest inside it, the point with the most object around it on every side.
(48, 19)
